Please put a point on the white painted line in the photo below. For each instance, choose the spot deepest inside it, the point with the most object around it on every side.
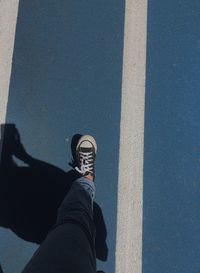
(8, 18)
(130, 184)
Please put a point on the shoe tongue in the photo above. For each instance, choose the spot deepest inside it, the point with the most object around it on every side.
(86, 150)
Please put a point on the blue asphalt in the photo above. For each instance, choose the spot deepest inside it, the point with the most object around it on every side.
(171, 229)
(66, 79)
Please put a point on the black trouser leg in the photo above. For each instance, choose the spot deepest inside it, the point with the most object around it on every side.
(69, 247)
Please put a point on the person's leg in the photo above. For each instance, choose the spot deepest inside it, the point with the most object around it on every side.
(70, 246)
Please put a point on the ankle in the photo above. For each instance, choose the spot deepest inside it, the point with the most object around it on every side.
(89, 177)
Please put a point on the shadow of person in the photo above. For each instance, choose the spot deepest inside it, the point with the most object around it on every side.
(1, 270)
(30, 195)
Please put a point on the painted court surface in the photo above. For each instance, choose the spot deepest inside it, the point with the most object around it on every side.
(66, 79)
(74, 71)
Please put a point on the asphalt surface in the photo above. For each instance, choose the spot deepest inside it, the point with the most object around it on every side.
(66, 79)
(171, 220)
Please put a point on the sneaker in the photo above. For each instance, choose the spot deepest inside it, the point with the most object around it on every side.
(86, 150)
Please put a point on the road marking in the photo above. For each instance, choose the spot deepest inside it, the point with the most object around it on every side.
(130, 184)
(8, 18)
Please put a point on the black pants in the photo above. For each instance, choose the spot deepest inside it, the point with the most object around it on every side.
(70, 245)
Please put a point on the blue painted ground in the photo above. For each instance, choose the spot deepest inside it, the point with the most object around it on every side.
(66, 79)
(172, 139)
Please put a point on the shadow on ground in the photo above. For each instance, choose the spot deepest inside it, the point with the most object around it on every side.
(31, 194)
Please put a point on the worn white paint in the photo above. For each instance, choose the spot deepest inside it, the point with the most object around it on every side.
(130, 184)
(8, 18)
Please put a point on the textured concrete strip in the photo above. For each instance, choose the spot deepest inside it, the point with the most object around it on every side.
(8, 17)
(130, 187)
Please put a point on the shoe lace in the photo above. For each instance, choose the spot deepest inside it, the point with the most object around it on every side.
(86, 163)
